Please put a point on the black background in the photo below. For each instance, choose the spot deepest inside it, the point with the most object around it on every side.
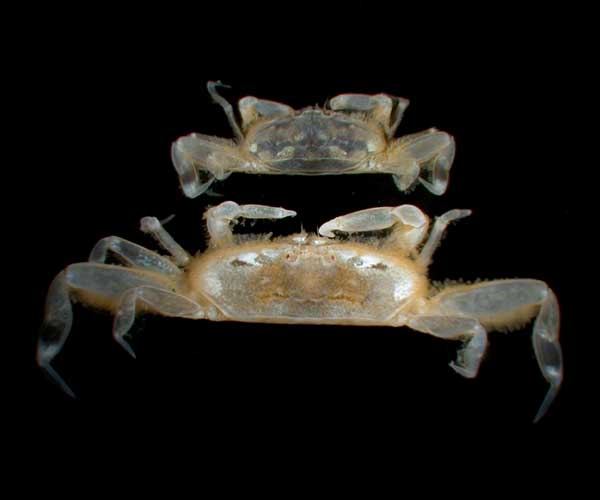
(107, 105)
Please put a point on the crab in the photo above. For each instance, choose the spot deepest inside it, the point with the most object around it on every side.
(352, 134)
(334, 277)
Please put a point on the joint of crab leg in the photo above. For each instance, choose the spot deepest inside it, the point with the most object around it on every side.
(154, 299)
(384, 108)
(400, 107)
(133, 255)
(456, 327)
(188, 174)
(433, 151)
(252, 108)
(440, 168)
(407, 177)
(124, 318)
(440, 175)
(153, 227)
(470, 356)
(416, 225)
(410, 215)
(439, 227)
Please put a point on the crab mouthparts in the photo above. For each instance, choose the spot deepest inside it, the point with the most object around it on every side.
(312, 165)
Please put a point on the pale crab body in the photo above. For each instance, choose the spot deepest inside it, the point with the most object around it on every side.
(314, 142)
(306, 279)
(352, 134)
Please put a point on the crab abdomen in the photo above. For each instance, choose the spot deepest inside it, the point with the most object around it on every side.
(345, 284)
(314, 143)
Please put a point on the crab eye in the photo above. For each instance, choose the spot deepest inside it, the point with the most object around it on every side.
(355, 261)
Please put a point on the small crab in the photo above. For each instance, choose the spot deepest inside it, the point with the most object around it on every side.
(352, 134)
(307, 279)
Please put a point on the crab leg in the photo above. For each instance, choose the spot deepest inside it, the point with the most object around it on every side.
(132, 254)
(156, 300)
(251, 109)
(153, 227)
(388, 110)
(190, 154)
(98, 285)
(413, 223)
(439, 227)
(214, 158)
(221, 101)
(219, 218)
(431, 151)
(184, 164)
(58, 320)
(454, 327)
(507, 304)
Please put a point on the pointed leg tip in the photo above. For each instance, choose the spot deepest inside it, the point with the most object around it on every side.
(540, 414)
(125, 345)
(548, 399)
(68, 391)
(53, 375)
(211, 84)
(128, 348)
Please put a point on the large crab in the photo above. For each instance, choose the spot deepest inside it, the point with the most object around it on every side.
(352, 134)
(304, 279)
